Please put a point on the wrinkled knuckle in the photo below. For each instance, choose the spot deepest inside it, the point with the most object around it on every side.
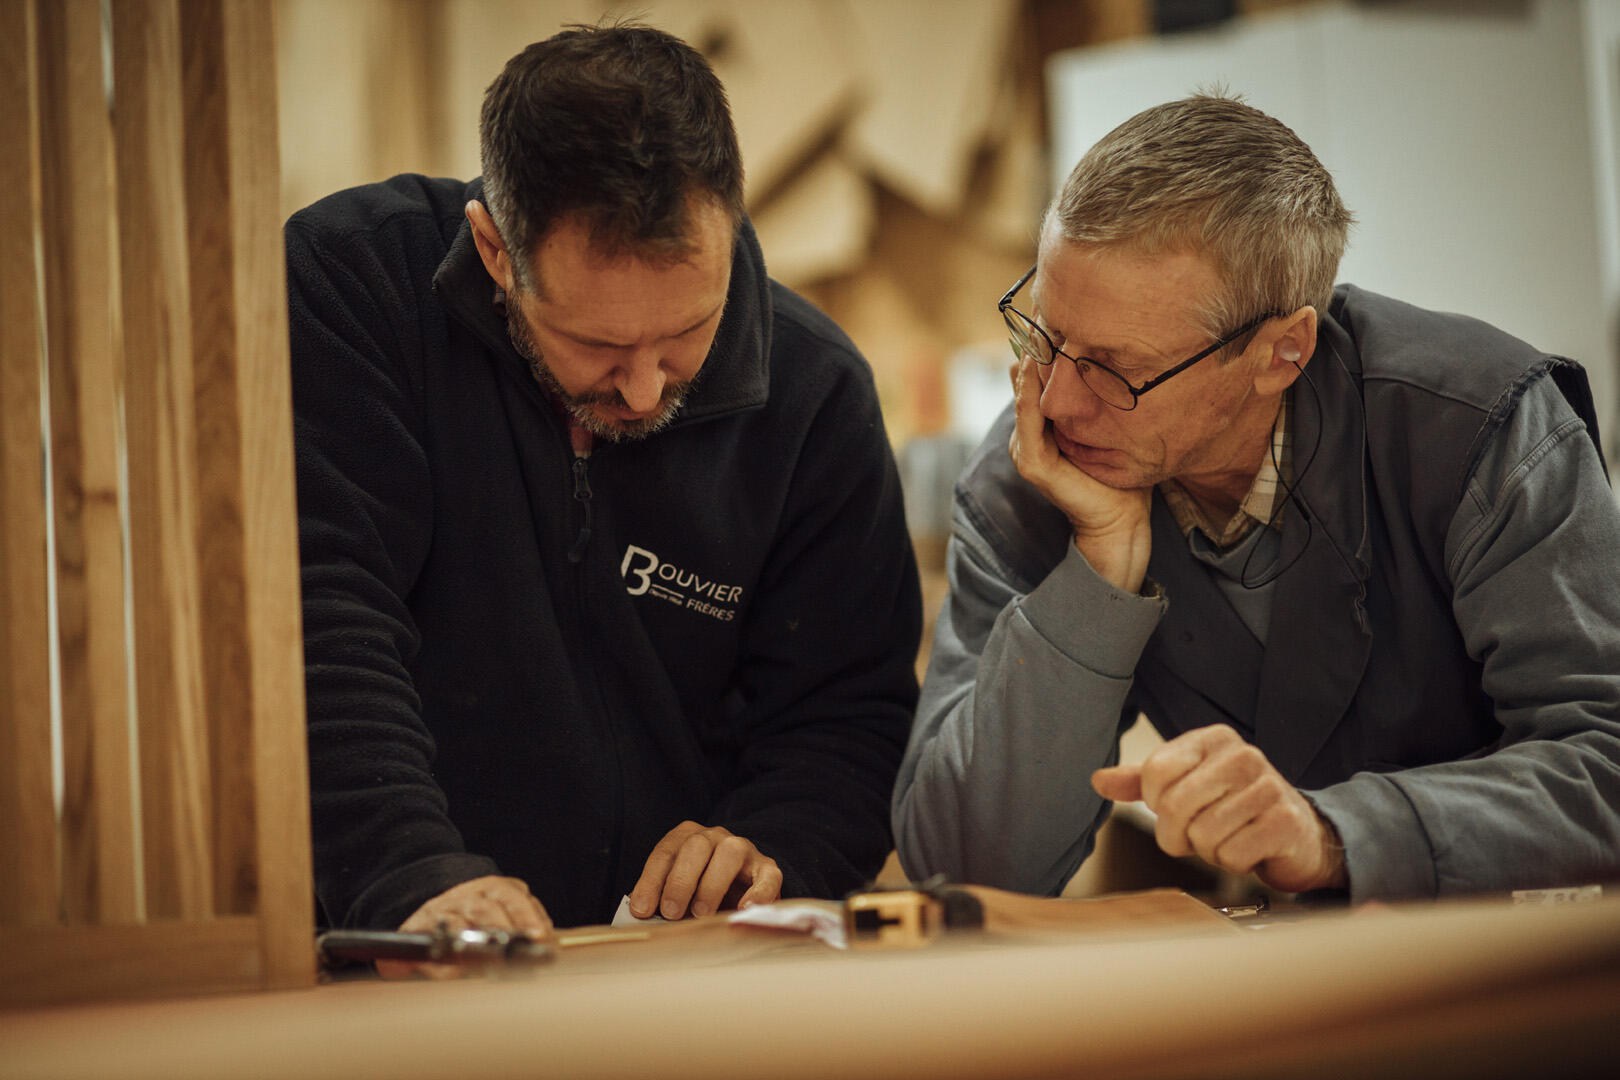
(1250, 762)
(1202, 836)
(1276, 819)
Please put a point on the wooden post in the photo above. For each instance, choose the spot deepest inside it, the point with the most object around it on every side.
(164, 342)
(29, 885)
(245, 447)
(98, 834)
(176, 793)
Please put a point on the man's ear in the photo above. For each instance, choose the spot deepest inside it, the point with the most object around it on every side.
(491, 249)
(1288, 344)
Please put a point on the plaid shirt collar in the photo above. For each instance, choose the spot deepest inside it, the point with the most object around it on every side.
(1261, 506)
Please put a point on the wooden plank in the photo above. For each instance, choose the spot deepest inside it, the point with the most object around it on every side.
(928, 118)
(97, 812)
(214, 323)
(791, 76)
(819, 225)
(79, 963)
(286, 882)
(162, 454)
(245, 423)
(28, 879)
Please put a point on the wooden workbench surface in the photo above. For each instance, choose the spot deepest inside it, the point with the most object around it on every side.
(1456, 989)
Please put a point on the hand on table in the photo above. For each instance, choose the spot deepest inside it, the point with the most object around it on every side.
(1110, 525)
(701, 870)
(1218, 797)
(486, 903)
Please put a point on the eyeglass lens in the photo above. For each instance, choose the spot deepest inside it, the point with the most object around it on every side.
(1030, 340)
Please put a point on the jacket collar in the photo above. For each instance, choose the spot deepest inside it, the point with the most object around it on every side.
(1319, 636)
(734, 376)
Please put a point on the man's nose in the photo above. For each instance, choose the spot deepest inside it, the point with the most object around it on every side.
(640, 381)
(1066, 395)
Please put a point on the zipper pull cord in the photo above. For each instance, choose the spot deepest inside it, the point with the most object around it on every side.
(582, 492)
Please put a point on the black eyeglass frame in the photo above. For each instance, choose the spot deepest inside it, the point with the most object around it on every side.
(1004, 305)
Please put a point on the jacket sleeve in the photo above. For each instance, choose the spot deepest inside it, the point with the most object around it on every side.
(1023, 699)
(383, 842)
(1533, 555)
(828, 671)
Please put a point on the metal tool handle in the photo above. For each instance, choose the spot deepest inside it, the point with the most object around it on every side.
(441, 946)
(363, 945)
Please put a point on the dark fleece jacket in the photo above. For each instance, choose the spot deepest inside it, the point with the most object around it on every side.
(524, 663)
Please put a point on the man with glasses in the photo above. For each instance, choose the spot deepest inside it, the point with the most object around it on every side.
(1356, 561)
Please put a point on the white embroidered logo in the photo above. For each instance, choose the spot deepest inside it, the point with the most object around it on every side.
(644, 572)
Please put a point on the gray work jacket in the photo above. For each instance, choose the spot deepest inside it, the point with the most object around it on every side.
(1441, 672)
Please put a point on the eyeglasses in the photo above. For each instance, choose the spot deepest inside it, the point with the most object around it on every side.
(1028, 339)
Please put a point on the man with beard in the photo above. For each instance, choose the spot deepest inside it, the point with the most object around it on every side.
(607, 588)
(1354, 560)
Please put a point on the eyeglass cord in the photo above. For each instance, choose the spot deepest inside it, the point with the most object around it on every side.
(1291, 492)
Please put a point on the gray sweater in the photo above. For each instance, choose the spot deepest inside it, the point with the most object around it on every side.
(1441, 665)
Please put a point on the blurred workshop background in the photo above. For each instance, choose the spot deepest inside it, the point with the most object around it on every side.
(900, 152)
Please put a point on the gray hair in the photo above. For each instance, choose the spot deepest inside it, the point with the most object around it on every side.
(1212, 174)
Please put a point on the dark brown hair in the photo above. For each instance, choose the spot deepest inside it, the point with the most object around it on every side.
(623, 125)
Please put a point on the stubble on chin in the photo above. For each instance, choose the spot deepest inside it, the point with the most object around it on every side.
(582, 406)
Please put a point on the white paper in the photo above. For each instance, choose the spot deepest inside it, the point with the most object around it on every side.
(826, 924)
(622, 917)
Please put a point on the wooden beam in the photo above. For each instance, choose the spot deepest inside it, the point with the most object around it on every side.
(98, 815)
(215, 345)
(29, 893)
(244, 432)
(176, 793)
(78, 963)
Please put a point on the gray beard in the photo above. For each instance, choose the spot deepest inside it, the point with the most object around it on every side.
(579, 405)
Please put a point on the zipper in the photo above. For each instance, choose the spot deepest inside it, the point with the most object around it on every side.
(612, 853)
(582, 493)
